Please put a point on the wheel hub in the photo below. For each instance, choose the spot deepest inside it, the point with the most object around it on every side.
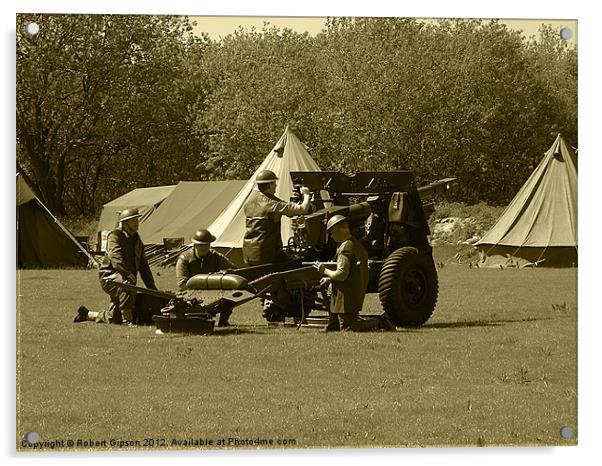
(414, 285)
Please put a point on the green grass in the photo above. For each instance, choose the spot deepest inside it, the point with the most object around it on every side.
(495, 365)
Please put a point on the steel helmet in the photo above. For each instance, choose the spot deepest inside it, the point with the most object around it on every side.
(128, 214)
(266, 176)
(334, 220)
(203, 237)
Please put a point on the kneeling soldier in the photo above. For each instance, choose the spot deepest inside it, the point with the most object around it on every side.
(201, 259)
(349, 282)
(123, 260)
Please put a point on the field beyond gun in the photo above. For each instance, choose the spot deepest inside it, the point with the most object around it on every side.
(492, 366)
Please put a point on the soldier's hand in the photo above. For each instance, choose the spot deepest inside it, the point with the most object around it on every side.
(325, 281)
(130, 279)
(305, 190)
(319, 267)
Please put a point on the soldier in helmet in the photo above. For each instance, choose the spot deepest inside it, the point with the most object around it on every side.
(123, 261)
(262, 242)
(349, 282)
(201, 259)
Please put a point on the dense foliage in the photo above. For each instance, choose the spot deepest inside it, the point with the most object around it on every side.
(109, 103)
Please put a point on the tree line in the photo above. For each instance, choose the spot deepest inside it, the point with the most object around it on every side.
(108, 103)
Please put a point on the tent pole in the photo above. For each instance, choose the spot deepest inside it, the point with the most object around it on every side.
(68, 233)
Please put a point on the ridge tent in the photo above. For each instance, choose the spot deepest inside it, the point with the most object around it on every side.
(289, 154)
(147, 200)
(539, 226)
(42, 241)
(191, 205)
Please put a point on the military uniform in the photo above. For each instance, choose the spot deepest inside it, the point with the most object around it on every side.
(125, 255)
(349, 287)
(262, 242)
(189, 265)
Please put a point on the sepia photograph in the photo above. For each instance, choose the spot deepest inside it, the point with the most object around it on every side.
(291, 233)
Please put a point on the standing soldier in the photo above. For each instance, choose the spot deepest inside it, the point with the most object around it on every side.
(201, 259)
(123, 260)
(349, 282)
(262, 242)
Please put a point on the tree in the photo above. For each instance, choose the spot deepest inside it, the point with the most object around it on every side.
(260, 81)
(452, 97)
(553, 63)
(99, 108)
(109, 103)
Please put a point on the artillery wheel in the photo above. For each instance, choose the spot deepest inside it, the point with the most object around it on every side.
(408, 287)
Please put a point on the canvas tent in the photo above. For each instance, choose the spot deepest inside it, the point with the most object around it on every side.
(147, 200)
(539, 226)
(192, 205)
(42, 241)
(289, 154)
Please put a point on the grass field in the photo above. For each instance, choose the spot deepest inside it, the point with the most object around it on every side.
(495, 365)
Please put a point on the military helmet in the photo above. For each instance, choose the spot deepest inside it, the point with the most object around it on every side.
(334, 220)
(128, 214)
(266, 176)
(203, 237)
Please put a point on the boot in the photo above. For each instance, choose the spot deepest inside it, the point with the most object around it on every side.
(82, 314)
(364, 325)
(333, 323)
(127, 317)
(384, 323)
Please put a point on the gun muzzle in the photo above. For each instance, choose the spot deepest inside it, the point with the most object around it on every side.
(437, 187)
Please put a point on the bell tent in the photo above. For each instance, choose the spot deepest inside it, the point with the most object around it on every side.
(42, 241)
(539, 226)
(288, 155)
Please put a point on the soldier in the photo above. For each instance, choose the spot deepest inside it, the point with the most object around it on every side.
(123, 260)
(349, 282)
(201, 259)
(262, 242)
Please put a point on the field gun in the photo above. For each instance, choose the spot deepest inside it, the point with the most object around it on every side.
(386, 212)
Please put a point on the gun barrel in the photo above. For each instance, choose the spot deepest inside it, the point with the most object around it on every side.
(359, 211)
(437, 187)
(139, 289)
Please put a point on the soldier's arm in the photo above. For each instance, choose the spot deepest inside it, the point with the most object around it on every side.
(224, 262)
(182, 273)
(344, 261)
(145, 272)
(343, 268)
(290, 209)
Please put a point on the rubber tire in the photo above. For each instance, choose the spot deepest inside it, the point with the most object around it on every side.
(408, 268)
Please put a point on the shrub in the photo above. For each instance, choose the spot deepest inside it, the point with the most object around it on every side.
(465, 221)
